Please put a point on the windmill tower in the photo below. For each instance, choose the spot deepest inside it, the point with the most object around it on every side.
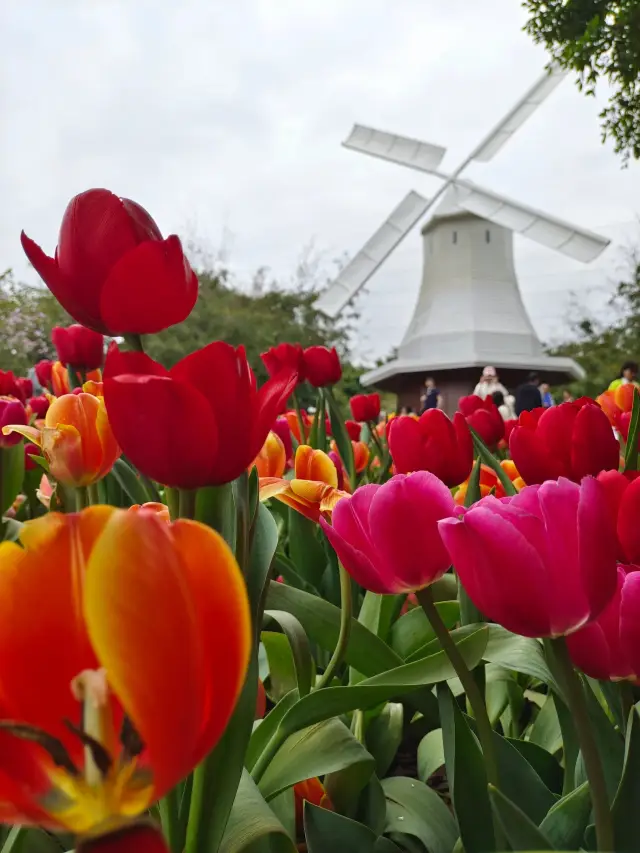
(469, 311)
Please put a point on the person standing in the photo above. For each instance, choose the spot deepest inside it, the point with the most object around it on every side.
(545, 393)
(628, 373)
(431, 398)
(504, 404)
(489, 382)
(528, 395)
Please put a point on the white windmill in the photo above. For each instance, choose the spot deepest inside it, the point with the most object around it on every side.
(469, 311)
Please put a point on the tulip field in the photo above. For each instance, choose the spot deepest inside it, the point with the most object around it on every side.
(230, 625)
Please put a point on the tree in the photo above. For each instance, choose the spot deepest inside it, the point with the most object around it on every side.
(597, 38)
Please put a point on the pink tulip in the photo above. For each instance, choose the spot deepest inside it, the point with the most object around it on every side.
(609, 648)
(387, 536)
(542, 563)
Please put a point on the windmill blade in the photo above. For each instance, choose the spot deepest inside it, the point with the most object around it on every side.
(422, 156)
(363, 265)
(571, 240)
(517, 116)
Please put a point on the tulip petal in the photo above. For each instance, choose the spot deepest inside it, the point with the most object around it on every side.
(270, 487)
(533, 458)
(31, 433)
(315, 465)
(137, 838)
(628, 526)
(589, 651)
(594, 447)
(630, 620)
(149, 288)
(597, 547)
(272, 396)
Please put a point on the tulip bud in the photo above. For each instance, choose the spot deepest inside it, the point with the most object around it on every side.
(365, 407)
(39, 406)
(484, 417)
(59, 379)
(322, 366)
(11, 412)
(43, 373)
(289, 356)
(354, 430)
(432, 443)
(79, 347)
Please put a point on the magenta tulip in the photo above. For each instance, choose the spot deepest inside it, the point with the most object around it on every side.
(541, 563)
(387, 536)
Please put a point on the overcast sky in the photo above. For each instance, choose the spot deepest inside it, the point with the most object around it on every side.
(224, 119)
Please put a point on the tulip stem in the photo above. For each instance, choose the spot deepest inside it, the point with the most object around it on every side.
(469, 684)
(345, 629)
(172, 499)
(296, 406)
(186, 503)
(376, 440)
(94, 494)
(577, 704)
(134, 342)
(169, 807)
(82, 498)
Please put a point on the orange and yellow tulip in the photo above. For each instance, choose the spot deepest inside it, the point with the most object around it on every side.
(361, 454)
(314, 488)
(145, 638)
(489, 482)
(161, 510)
(76, 439)
(311, 791)
(59, 379)
(272, 459)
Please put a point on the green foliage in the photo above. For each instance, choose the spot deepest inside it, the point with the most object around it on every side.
(598, 39)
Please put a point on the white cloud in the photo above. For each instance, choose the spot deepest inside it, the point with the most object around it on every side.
(229, 115)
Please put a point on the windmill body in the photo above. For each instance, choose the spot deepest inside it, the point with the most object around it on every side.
(469, 312)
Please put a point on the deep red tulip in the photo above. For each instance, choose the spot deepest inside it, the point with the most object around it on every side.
(365, 407)
(39, 405)
(43, 373)
(322, 366)
(29, 451)
(79, 347)
(289, 356)
(570, 440)
(282, 430)
(379, 533)
(112, 271)
(432, 443)
(354, 430)
(508, 428)
(628, 526)
(202, 423)
(484, 417)
(541, 563)
(609, 648)
(11, 412)
(25, 388)
(9, 385)
(139, 837)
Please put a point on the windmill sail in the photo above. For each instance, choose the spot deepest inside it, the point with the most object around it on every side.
(422, 156)
(571, 240)
(363, 265)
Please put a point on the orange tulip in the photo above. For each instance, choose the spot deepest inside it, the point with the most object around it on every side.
(91, 386)
(607, 402)
(311, 790)
(489, 481)
(314, 488)
(145, 638)
(360, 454)
(272, 459)
(59, 379)
(76, 439)
(623, 396)
(161, 510)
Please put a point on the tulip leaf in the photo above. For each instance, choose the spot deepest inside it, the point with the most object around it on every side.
(265, 729)
(545, 731)
(521, 654)
(430, 754)
(416, 810)
(412, 631)
(263, 549)
(130, 482)
(631, 453)
(323, 748)
(487, 458)
(341, 436)
(251, 819)
(610, 744)
(215, 507)
(377, 613)
(567, 820)
(305, 549)
(325, 830)
(282, 671)
(300, 649)
(545, 765)
(11, 474)
(285, 567)
(520, 831)
(624, 811)
(517, 776)
(384, 736)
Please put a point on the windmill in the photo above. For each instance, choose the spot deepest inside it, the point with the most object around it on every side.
(469, 311)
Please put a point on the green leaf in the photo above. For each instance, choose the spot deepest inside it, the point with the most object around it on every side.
(412, 631)
(468, 611)
(376, 614)
(305, 549)
(521, 833)
(285, 567)
(566, 822)
(341, 436)
(570, 749)
(385, 845)
(521, 654)
(323, 748)
(518, 777)
(487, 458)
(384, 736)
(325, 830)
(300, 648)
(263, 549)
(545, 730)
(282, 671)
(430, 754)
(416, 810)
(265, 729)
(11, 474)
(631, 453)
(467, 777)
(252, 819)
(130, 482)
(624, 811)
(610, 744)
(545, 765)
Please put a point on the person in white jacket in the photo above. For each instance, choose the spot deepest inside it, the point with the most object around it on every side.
(489, 382)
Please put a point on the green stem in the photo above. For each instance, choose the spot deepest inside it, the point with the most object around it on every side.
(469, 685)
(74, 381)
(169, 808)
(376, 440)
(296, 406)
(94, 494)
(626, 700)
(357, 725)
(134, 342)
(268, 754)
(82, 497)
(576, 701)
(186, 503)
(172, 498)
(345, 629)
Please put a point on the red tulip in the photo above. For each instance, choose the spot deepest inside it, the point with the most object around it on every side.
(43, 373)
(628, 526)
(343, 482)
(79, 347)
(39, 405)
(159, 417)
(609, 648)
(484, 417)
(387, 536)
(11, 412)
(322, 366)
(570, 440)
(25, 388)
(353, 429)
(112, 271)
(432, 443)
(9, 385)
(289, 356)
(29, 451)
(365, 407)
(138, 837)
(541, 563)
